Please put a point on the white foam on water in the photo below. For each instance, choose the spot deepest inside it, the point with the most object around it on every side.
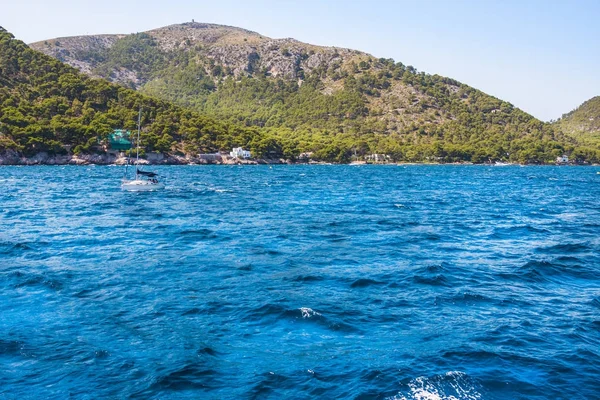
(421, 389)
(219, 190)
(453, 385)
(308, 312)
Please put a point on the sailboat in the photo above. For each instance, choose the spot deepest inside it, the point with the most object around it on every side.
(144, 181)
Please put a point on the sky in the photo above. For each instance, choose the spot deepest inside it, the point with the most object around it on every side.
(541, 55)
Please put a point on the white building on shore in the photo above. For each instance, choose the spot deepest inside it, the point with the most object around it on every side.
(239, 152)
(378, 158)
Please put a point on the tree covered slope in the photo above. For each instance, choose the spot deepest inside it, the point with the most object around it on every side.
(48, 106)
(583, 122)
(237, 88)
(331, 101)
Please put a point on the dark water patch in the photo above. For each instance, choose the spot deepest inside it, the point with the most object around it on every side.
(207, 351)
(433, 269)
(434, 280)
(365, 282)
(162, 227)
(259, 250)
(512, 342)
(591, 225)
(336, 224)
(561, 271)
(569, 260)
(218, 307)
(247, 267)
(512, 387)
(564, 248)
(540, 271)
(581, 334)
(11, 347)
(409, 224)
(271, 384)
(381, 383)
(432, 237)
(464, 298)
(308, 278)
(101, 354)
(432, 275)
(9, 248)
(387, 222)
(24, 279)
(267, 311)
(471, 354)
(13, 213)
(192, 311)
(496, 356)
(32, 250)
(517, 232)
(335, 238)
(190, 377)
(90, 293)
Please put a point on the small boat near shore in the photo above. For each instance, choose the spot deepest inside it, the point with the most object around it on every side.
(144, 181)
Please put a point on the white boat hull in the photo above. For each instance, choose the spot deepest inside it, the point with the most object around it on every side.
(138, 185)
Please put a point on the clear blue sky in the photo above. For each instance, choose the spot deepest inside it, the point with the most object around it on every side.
(541, 55)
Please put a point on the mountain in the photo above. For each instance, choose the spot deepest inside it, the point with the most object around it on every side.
(48, 106)
(583, 122)
(331, 101)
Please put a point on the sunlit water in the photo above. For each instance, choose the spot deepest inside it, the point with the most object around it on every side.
(416, 282)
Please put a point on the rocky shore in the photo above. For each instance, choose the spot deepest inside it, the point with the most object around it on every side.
(15, 158)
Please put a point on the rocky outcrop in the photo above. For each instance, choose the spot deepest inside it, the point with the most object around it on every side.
(15, 158)
(77, 51)
(240, 50)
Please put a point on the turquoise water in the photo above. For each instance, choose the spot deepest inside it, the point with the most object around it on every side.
(370, 282)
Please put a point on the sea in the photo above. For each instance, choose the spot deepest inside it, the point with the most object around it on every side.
(425, 282)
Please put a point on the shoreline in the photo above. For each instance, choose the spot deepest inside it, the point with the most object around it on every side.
(15, 159)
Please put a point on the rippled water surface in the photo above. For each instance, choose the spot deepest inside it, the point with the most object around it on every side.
(415, 282)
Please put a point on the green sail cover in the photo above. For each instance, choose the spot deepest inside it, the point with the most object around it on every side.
(119, 140)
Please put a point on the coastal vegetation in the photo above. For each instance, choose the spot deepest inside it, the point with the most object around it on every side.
(206, 88)
(48, 106)
(583, 122)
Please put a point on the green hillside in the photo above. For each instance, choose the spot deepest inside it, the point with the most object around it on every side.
(583, 122)
(47, 106)
(345, 105)
(330, 101)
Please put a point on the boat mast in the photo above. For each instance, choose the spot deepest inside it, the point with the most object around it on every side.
(127, 164)
(137, 155)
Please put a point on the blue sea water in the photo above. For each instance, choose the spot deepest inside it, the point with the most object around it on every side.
(359, 282)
